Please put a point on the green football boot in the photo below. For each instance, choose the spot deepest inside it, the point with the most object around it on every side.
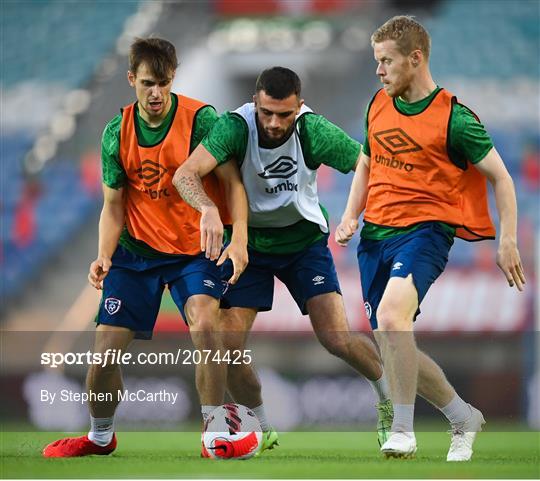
(269, 440)
(385, 415)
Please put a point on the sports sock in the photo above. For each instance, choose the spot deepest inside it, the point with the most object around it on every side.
(101, 430)
(261, 414)
(457, 410)
(206, 410)
(403, 418)
(380, 386)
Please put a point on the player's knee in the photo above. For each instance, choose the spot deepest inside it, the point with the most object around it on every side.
(389, 319)
(234, 327)
(202, 314)
(110, 339)
(202, 323)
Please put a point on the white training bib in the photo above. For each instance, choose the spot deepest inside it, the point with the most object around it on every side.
(280, 187)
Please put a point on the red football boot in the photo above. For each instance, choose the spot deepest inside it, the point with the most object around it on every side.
(72, 447)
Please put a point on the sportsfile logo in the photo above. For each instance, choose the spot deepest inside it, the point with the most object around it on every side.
(117, 356)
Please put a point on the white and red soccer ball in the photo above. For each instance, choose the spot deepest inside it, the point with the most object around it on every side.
(232, 431)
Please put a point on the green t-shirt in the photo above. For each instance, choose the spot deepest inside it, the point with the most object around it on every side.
(322, 142)
(468, 140)
(114, 175)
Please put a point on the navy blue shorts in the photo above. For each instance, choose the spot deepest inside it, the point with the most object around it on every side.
(133, 288)
(306, 274)
(422, 253)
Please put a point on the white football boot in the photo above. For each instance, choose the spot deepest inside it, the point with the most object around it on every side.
(399, 445)
(463, 435)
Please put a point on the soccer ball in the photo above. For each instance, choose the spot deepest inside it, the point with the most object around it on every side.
(232, 431)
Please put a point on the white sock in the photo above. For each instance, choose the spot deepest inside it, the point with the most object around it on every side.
(206, 410)
(101, 430)
(457, 410)
(380, 386)
(261, 414)
(403, 418)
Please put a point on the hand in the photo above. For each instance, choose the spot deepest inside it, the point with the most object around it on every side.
(509, 262)
(98, 271)
(238, 254)
(211, 232)
(345, 230)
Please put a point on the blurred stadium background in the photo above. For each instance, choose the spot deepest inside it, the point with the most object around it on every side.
(63, 77)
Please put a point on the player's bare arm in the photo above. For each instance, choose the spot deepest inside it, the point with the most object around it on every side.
(508, 258)
(188, 182)
(355, 203)
(229, 177)
(111, 224)
(187, 178)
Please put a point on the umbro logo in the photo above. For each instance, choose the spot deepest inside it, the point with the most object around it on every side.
(318, 280)
(397, 266)
(150, 172)
(396, 141)
(209, 283)
(282, 168)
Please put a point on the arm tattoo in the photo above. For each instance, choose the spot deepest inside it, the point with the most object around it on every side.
(192, 191)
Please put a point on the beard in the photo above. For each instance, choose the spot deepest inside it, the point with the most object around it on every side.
(271, 142)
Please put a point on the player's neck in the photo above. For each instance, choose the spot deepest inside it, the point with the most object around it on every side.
(419, 89)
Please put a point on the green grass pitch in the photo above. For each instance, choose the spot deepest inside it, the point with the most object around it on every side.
(300, 455)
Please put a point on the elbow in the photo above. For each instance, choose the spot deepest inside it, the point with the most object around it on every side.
(114, 210)
(186, 170)
(503, 179)
(178, 175)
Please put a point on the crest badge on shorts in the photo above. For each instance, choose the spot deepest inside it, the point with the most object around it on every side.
(367, 307)
(112, 305)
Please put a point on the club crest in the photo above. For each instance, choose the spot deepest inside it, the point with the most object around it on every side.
(367, 307)
(112, 305)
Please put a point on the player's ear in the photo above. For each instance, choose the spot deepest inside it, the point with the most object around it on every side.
(131, 78)
(416, 58)
(255, 99)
